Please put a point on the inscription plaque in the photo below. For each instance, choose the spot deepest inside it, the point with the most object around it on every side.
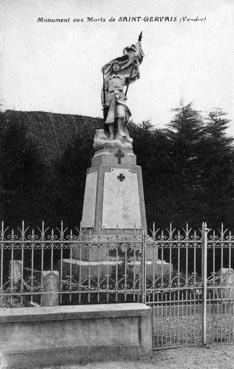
(121, 203)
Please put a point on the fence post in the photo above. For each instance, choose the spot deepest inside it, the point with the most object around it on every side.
(204, 283)
(143, 269)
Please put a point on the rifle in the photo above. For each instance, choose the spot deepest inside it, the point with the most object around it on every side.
(104, 97)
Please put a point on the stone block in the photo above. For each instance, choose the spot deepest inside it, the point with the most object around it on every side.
(51, 288)
(107, 157)
(153, 268)
(92, 252)
(225, 290)
(82, 269)
(15, 271)
(102, 245)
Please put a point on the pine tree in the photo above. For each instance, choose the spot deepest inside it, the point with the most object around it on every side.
(152, 149)
(218, 170)
(185, 133)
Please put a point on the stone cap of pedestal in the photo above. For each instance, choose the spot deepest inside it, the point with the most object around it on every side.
(109, 156)
(121, 235)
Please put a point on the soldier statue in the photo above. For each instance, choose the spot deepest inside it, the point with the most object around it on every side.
(117, 75)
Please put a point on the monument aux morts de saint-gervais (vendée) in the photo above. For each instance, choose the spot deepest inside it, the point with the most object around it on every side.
(114, 205)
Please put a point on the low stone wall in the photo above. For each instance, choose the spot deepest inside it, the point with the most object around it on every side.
(45, 336)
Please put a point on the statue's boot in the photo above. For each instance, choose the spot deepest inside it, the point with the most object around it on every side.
(128, 138)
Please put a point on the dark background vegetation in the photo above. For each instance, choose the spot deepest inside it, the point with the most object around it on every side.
(188, 169)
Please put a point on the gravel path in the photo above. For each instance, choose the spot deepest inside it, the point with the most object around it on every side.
(216, 357)
(186, 330)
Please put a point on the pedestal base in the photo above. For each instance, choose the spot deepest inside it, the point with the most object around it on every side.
(113, 226)
(100, 269)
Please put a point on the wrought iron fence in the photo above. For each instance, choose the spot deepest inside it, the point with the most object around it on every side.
(41, 262)
(194, 304)
(186, 276)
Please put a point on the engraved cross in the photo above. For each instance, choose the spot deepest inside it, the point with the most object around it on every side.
(119, 154)
(121, 177)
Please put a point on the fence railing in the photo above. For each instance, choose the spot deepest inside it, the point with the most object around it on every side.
(195, 304)
(51, 266)
(186, 276)
(113, 267)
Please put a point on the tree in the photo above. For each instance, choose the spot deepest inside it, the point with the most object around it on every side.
(70, 177)
(218, 170)
(203, 161)
(153, 151)
(21, 176)
(185, 133)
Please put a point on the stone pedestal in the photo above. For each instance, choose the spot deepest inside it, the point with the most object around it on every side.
(114, 197)
(113, 217)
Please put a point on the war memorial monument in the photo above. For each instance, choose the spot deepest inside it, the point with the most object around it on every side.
(114, 206)
(114, 195)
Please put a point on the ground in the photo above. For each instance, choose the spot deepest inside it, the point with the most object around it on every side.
(216, 357)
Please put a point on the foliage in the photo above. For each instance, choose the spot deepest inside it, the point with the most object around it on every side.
(22, 175)
(71, 174)
(217, 170)
(187, 167)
